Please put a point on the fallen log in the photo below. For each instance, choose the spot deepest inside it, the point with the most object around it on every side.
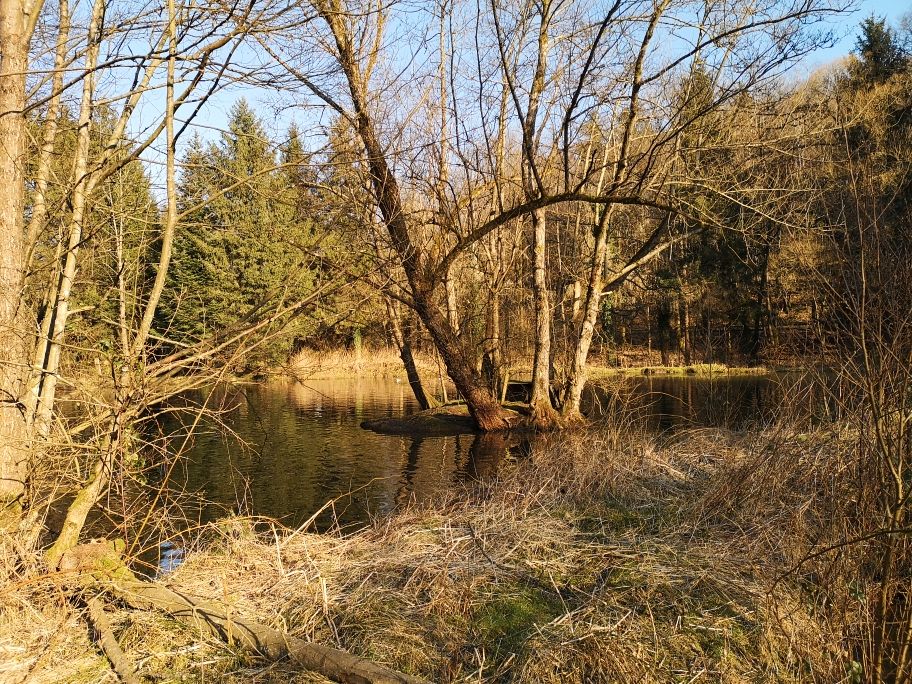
(99, 565)
(333, 663)
(108, 642)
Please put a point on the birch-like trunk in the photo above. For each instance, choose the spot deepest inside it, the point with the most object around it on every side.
(115, 443)
(50, 365)
(49, 136)
(449, 286)
(543, 413)
(576, 380)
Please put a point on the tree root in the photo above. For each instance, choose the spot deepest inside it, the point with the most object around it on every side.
(100, 567)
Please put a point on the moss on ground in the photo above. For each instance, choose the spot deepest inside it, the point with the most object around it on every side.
(510, 615)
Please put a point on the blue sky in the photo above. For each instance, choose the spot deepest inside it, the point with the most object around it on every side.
(215, 115)
(892, 10)
(846, 27)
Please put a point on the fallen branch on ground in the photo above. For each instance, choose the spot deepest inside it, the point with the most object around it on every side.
(101, 560)
(270, 643)
(108, 642)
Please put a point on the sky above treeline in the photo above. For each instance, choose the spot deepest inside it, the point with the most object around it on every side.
(891, 10)
(278, 114)
(846, 29)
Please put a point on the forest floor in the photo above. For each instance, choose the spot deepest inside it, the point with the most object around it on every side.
(606, 557)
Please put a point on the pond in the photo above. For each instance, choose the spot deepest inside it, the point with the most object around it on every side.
(296, 450)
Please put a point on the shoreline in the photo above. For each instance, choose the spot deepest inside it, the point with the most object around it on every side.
(609, 557)
(378, 363)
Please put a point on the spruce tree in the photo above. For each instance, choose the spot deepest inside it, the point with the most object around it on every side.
(243, 248)
(879, 54)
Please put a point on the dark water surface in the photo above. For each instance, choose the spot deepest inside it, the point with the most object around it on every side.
(296, 446)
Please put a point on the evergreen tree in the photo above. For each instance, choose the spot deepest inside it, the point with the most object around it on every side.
(879, 54)
(243, 248)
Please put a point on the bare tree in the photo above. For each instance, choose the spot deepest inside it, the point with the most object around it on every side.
(17, 24)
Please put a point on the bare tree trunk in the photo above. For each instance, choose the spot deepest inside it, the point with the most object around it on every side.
(576, 382)
(404, 345)
(648, 334)
(483, 406)
(449, 285)
(51, 362)
(543, 413)
(577, 379)
(39, 209)
(707, 325)
(213, 619)
(79, 508)
(115, 442)
(684, 325)
(490, 361)
(17, 22)
(51, 125)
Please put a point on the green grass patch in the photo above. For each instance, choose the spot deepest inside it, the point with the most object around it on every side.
(507, 619)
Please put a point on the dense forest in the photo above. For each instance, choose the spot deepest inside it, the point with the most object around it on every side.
(520, 191)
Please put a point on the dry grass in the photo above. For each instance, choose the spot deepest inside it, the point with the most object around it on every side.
(604, 558)
(309, 364)
(384, 362)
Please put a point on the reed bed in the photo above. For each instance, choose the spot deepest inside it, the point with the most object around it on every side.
(310, 364)
(606, 557)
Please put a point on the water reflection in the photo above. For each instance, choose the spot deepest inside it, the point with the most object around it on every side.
(670, 403)
(297, 446)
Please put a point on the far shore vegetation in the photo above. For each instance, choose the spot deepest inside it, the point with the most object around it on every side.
(385, 363)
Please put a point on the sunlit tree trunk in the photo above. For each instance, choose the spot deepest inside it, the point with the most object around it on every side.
(576, 381)
(51, 126)
(114, 443)
(39, 209)
(594, 289)
(543, 412)
(17, 22)
(449, 286)
(57, 328)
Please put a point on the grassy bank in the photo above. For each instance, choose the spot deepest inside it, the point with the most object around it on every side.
(385, 362)
(309, 364)
(702, 370)
(605, 558)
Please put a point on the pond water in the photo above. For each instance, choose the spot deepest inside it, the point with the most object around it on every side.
(294, 447)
